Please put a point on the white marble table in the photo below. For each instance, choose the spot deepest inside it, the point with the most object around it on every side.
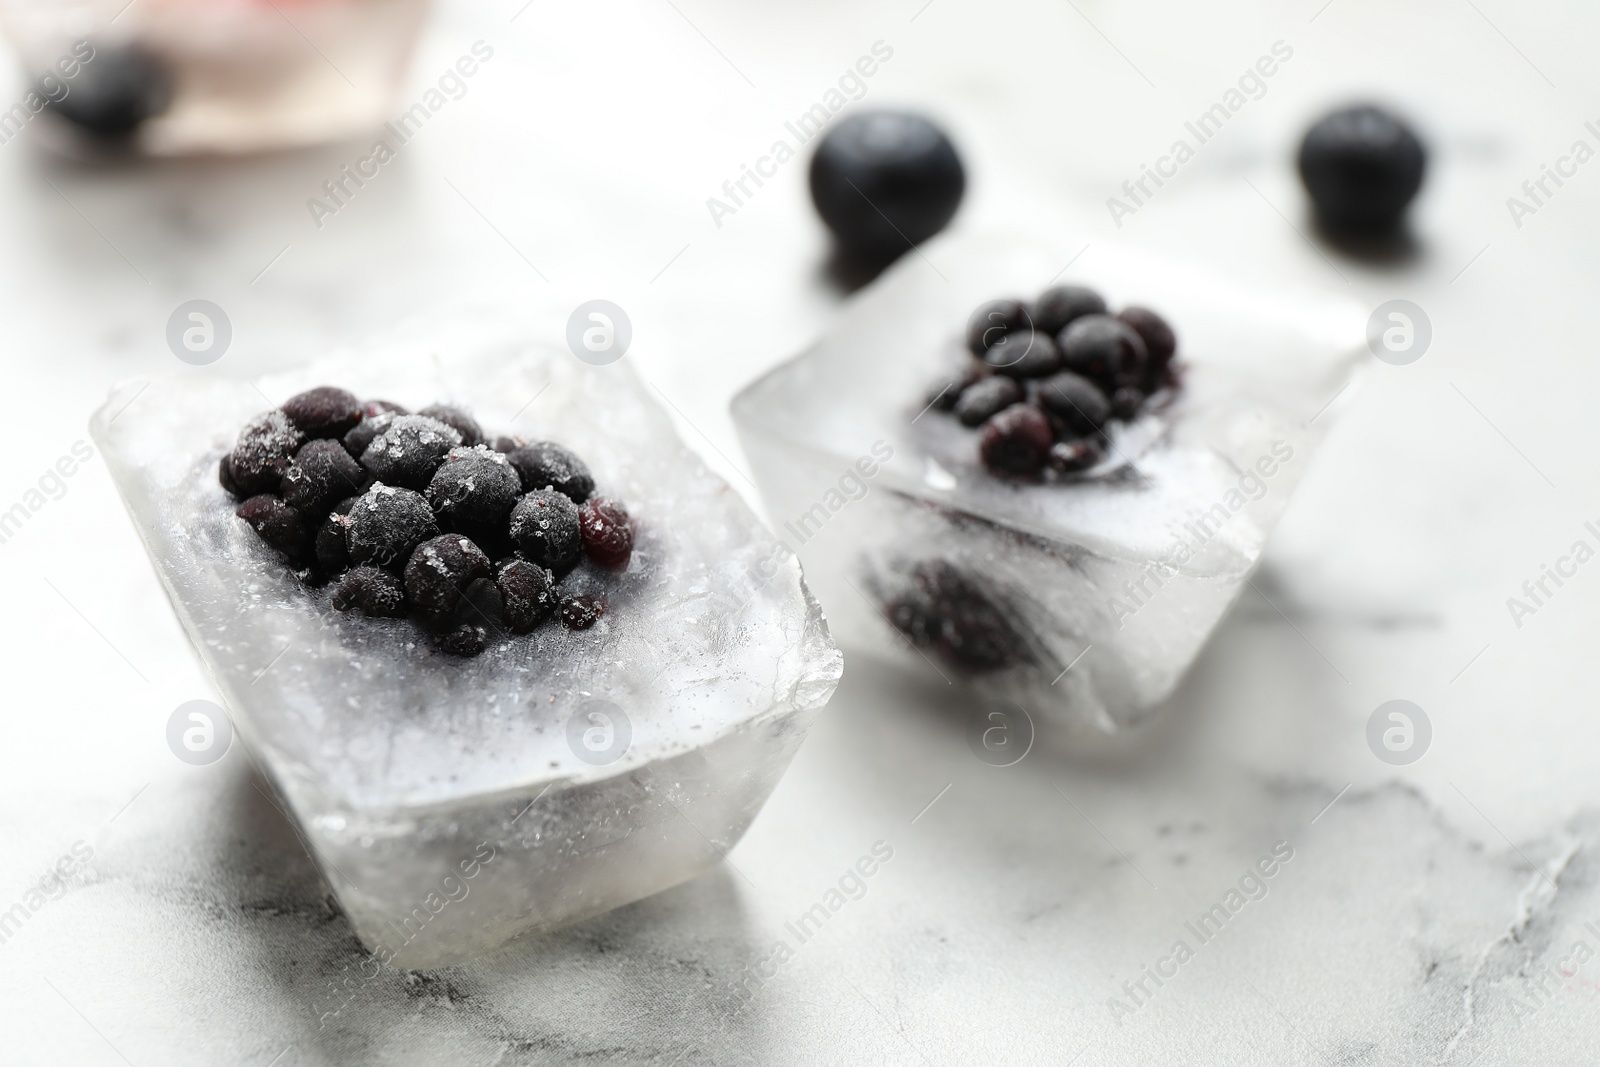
(1427, 910)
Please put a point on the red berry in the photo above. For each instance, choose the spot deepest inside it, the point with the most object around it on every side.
(607, 532)
(1017, 441)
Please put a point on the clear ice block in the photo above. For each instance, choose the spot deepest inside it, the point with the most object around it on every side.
(237, 75)
(402, 764)
(1084, 600)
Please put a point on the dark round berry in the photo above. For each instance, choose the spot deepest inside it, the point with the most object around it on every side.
(1016, 441)
(884, 181)
(506, 445)
(1102, 349)
(581, 611)
(265, 449)
(1159, 340)
(369, 408)
(279, 525)
(944, 393)
(465, 640)
(439, 571)
(1024, 354)
(1069, 457)
(1077, 401)
(544, 525)
(950, 615)
(1057, 308)
(990, 324)
(408, 451)
(372, 592)
(459, 420)
(115, 91)
(324, 411)
(386, 524)
(1362, 166)
(607, 533)
(321, 475)
(546, 465)
(225, 477)
(370, 426)
(1126, 402)
(527, 594)
(985, 398)
(333, 554)
(473, 492)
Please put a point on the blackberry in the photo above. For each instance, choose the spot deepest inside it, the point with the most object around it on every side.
(1017, 441)
(333, 556)
(1104, 350)
(527, 594)
(324, 411)
(884, 181)
(265, 448)
(409, 450)
(465, 640)
(989, 325)
(386, 524)
(321, 475)
(1126, 402)
(1024, 354)
(1076, 400)
(985, 398)
(282, 527)
(607, 533)
(546, 465)
(581, 611)
(370, 426)
(1058, 308)
(371, 591)
(544, 525)
(474, 491)
(1069, 457)
(1362, 166)
(438, 573)
(114, 92)
(459, 420)
(1160, 343)
(225, 477)
(949, 614)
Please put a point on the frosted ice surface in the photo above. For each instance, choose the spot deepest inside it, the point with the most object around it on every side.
(402, 763)
(1120, 576)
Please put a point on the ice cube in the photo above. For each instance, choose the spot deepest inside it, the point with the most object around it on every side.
(1084, 600)
(591, 768)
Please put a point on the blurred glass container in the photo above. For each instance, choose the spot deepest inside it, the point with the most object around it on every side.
(180, 77)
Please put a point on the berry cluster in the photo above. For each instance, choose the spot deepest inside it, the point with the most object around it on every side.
(1048, 376)
(404, 512)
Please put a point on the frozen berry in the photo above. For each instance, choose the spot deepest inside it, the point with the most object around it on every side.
(989, 325)
(458, 419)
(409, 450)
(1016, 441)
(581, 611)
(324, 411)
(369, 408)
(1024, 354)
(546, 465)
(474, 491)
(265, 448)
(333, 554)
(1103, 349)
(225, 477)
(1126, 402)
(944, 393)
(439, 571)
(372, 592)
(987, 397)
(506, 445)
(1362, 166)
(1160, 343)
(1069, 457)
(1057, 308)
(544, 525)
(1075, 400)
(607, 532)
(950, 615)
(370, 426)
(527, 594)
(279, 525)
(321, 475)
(884, 181)
(115, 91)
(465, 640)
(386, 524)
